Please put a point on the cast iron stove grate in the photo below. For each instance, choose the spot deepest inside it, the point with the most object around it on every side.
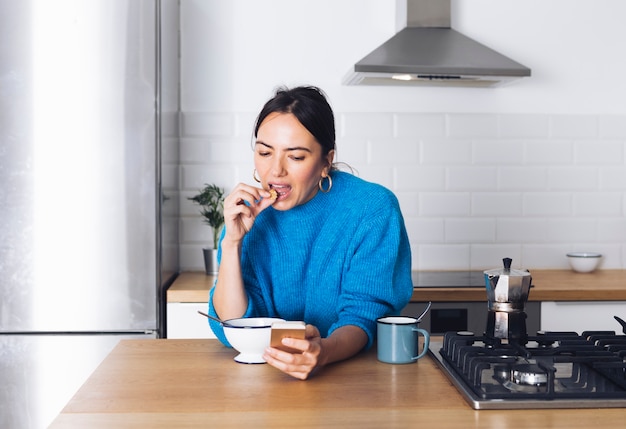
(551, 370)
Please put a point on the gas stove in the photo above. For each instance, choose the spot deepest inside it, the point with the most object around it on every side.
(546, 370)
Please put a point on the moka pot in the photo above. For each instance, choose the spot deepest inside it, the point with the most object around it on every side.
(507, 288)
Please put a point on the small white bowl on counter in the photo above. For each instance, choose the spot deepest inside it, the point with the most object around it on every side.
(250, 337)
(584, 262)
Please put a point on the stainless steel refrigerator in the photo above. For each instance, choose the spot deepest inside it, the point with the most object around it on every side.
(81, 199)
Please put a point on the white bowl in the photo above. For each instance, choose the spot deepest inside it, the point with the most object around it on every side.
(250, 337)
(584, 262)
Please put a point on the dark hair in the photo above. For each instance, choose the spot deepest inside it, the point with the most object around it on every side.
(310, 106)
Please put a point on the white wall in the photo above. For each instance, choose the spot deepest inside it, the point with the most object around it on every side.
(531, 171)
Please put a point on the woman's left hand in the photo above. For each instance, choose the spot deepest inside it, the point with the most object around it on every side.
(298, 365)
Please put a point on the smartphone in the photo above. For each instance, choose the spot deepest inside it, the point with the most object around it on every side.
(291, 329)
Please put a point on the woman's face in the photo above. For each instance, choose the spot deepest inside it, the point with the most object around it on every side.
(289, 159)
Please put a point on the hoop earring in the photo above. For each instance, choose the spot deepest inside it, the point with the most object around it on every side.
(256, 179)
(321, 185)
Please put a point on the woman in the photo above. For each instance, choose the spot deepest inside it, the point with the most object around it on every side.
(310, 242)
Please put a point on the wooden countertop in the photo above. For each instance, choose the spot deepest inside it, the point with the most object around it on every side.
(196, 383)
(190, 287)
(549, 285)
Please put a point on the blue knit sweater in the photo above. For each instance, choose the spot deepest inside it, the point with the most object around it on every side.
(342, 258)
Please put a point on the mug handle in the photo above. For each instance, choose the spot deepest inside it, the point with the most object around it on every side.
(426, 342)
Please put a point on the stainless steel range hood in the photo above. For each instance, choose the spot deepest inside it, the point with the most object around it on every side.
(428, 52)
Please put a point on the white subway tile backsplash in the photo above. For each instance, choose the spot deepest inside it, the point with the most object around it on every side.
(193, 230)
(244, 126)
(471, 178)
(243, 173)
(420, 178)
(612, 230)
(613, 178)
(419, 125)
(521, 230)
(191, 258)
(522, 178)
(602, 152)
(195, 176)
(351, 150)
(465, 126)
(207, 151)
(381, 175)
(194, 151)
(489, 256)
(612, 126)
(599, 204)
(443, 257)
(545, 256)
(498, 152)
(574, 126)
(444, 204)
(186, 207)
(425, 230)
(612, 254)
(393, 152)
(369, 125)
(470, 230)
(570, 230)
(409, 203)
(573, 178)
(473, 188)
(444, 152)
(207, 124)
(497, 204)
(547, 204)
(524, 126)
(548, 152)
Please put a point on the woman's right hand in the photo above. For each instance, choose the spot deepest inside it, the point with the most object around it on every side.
(242, 207)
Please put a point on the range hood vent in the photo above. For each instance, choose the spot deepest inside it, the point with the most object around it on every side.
(428, 52)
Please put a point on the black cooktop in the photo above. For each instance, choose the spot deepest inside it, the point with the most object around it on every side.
(551, 370)
(449, 279)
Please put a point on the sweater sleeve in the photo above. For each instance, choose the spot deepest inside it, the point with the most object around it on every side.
(218, 329)
(377, 281)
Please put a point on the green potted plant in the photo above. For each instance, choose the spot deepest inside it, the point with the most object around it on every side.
(211, 202)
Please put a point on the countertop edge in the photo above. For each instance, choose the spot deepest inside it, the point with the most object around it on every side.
(548, 285)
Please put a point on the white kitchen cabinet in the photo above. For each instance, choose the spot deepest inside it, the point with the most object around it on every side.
(185, 297)
(582, 316)
(183, 320)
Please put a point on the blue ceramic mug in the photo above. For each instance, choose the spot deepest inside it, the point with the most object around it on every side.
(398, 339)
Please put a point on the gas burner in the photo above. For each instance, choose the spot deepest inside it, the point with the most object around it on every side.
(529, 375)
(522, 374)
